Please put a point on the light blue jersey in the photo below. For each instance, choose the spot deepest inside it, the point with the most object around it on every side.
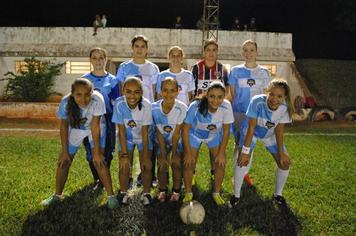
(147, 72)
(247, 83)
(185, 81)
(166, 123)
(208, 129)
(107, 85)
(267, 120)
(132, 119)
(76, 136)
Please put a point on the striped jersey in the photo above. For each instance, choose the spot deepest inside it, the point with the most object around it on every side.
(204, 75)
(185, 83)
(132, 119)
(166, 123)
(206, 127)
(247, 83)
(147, 72)
(267, 119)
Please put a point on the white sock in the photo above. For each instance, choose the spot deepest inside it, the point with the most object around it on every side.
(239, 175)
(281, 179)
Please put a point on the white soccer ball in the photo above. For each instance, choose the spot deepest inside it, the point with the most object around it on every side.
(192, 212)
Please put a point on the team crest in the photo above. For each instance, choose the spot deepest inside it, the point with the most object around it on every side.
(167, 128)
(251, 82)
(270, 124)
(217, 74)
(211, 127)
(83, 120)
(131, 124)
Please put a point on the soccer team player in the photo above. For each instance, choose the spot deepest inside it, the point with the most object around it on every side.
(168, 115)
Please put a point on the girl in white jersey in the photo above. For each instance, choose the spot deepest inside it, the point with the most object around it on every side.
(266, 116)
(80, 114)
(132, 114)
(186, 85)
(208, 121)
(168, 116)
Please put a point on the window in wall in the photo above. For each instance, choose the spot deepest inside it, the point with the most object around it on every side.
(78, 67)
(271, 68)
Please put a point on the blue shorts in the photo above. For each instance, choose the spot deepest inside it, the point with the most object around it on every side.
(212, 142)
(131, 145)
(77, 136)
(269, 142)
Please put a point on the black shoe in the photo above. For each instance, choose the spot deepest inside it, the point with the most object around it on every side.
(123, 198)
(146, 199)
(130, 183)
(233, 201)
(279, 200)
(139, 181)
(98, 185)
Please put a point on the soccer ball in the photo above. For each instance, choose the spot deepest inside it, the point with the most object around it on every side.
(192, 212)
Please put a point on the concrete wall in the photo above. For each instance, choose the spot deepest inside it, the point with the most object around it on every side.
(73, 43)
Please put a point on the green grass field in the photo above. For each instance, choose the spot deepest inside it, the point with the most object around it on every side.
(320, 192)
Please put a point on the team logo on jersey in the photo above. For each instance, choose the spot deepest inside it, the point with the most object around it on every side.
(131, 124)
(251, 82)
(270, 124)
(211, 127)
(217, 74)
(167, 128)
(83, 120)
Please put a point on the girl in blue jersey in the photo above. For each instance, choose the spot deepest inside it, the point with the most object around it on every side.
(132, 114)
(108, 86)
(80, 114)
(147, 72)
(186, 85)
(208, 121)
(266, 117)
(168, 116)
(246, 80)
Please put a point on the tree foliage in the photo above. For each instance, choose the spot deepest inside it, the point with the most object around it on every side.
(34, 81)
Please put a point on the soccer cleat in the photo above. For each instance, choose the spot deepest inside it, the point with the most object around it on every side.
(130, 183)
(218, 199)
(174, 197)
(162, 196)
(98, 185)
(123, 198)
(248, 180)
(146, 199)
(188, 197)
(51, 200)
(112, 202)
(233, 201)
(279, 200)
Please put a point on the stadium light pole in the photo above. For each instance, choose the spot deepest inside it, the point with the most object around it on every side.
(210, 20)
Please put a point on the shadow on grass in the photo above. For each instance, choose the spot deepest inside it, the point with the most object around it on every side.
(252, 215)
(80, 214)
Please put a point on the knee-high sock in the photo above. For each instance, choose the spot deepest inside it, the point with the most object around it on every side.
(239, 174)
(281, 179)
(249, 163)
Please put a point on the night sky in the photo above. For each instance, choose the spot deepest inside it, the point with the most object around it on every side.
(321, 28)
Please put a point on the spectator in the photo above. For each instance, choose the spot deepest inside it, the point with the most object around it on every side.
(178, 23)
(245, 27)
(236, 24)
(103, 21)
(252, 25)
(96, 24)
(200, 23)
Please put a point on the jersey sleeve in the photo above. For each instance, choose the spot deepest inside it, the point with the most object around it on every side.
(117, 116)
(120, 75)
(252, 109)
(191, 82)
(147, 115)
(191, 113)
(232, 79)
(155, 74)
(99, 108)
(182, 114)
(158, 83)
(229, 115)
(62, 109)
(195, 78)
(285, 118)
(225, 76)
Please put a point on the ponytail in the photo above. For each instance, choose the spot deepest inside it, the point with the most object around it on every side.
(73, 111)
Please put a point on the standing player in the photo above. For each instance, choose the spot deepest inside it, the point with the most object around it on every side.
(168, 116)
(80, 113)
(266, 117)
(145, 70)
(132, 114)
(186, 85)
(246, 80)
(108, 86)
(208, 121)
